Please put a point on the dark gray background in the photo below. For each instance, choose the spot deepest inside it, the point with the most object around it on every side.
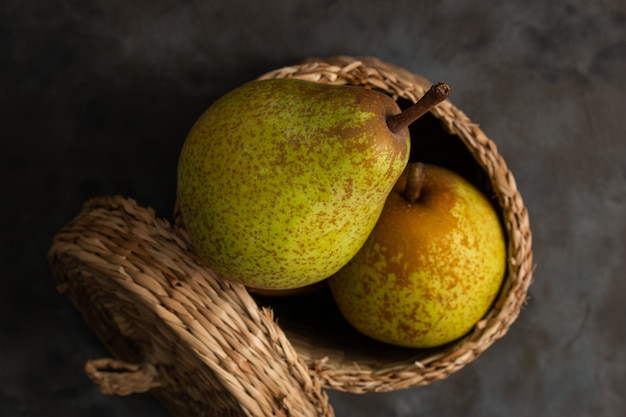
(96, 97)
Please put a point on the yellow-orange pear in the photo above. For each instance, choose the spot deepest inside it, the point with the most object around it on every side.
(432, 266)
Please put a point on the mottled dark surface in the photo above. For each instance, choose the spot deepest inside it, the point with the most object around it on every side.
(97, 97)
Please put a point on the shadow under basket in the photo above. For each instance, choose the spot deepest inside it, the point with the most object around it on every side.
(207, 347)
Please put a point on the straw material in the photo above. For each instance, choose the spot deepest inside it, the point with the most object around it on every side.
(356, 365)
(207, 347)
(198, 342)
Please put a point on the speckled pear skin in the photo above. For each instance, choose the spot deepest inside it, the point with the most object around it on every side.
(430, 270)
(281, 181)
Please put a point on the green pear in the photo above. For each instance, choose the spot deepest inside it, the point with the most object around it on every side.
(281, 181)
(431, 267)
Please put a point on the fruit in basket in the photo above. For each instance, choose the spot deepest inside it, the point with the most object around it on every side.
(432, 266)
(281, 181)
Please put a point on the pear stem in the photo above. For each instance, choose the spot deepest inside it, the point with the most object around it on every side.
(414, 181)
(435, 95)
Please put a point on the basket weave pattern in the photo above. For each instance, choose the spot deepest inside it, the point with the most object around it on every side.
(155, 306)
(204, 346)
(425, 367)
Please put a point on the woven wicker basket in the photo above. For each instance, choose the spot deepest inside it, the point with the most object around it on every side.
(207, 347)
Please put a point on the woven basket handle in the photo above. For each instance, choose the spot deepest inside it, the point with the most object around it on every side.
(112, 376)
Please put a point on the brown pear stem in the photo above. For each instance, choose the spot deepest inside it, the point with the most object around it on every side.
(435, 95)
(414, 181)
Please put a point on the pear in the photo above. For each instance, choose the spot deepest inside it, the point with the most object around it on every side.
(281, 181)
(431, 267)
